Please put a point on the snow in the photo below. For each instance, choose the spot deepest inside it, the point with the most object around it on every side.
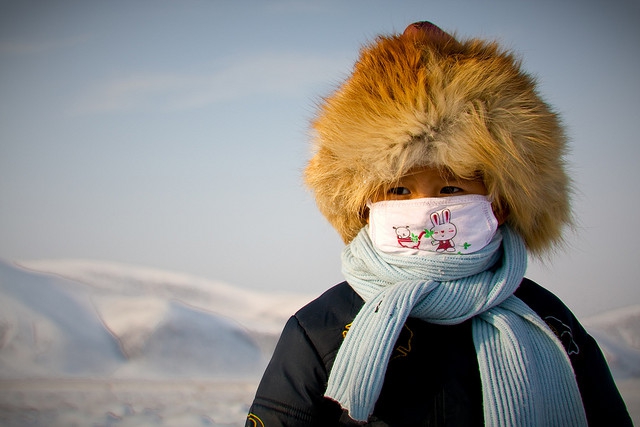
(89, 343)
(96, 343)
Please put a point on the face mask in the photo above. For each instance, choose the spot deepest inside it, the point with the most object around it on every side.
(453, 225)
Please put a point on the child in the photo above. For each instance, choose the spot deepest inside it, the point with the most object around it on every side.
(440, 166)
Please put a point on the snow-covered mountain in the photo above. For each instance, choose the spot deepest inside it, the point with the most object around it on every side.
(618, 334)
(80, 318)
(97, 343)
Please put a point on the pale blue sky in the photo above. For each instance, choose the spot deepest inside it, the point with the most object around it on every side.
(172, 134)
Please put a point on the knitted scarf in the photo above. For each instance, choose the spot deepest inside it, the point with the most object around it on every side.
(526, 375)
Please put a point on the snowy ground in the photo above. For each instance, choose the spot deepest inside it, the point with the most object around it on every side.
(100, 344)
(124, 403)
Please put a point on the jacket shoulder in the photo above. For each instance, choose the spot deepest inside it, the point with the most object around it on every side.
(541, 300)
(341, 301)
(291, 391)
(326, 319)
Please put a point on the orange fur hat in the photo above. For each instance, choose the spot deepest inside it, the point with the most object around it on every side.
(424, 98)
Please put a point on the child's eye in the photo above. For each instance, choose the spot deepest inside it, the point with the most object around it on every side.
(399, 191)
(450, 190)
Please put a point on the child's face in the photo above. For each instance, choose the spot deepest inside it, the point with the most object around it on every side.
(430, 182)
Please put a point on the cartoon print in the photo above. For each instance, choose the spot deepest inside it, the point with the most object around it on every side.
(403, 343)
(254, 420)
(563, 332)
(443, 231)
(406, 238)
(346, 330)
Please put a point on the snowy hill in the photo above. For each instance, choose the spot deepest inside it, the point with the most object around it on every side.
(78, 319)
(618, 333)
(48, 328)
(96, 343)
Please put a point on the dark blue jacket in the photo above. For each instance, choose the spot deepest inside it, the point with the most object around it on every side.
(433, 377)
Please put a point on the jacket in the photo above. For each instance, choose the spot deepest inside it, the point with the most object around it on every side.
(432, 378)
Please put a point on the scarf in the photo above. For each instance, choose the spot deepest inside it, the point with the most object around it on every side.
(526, 376)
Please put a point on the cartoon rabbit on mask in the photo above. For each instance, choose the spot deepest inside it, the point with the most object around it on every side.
(443, 231)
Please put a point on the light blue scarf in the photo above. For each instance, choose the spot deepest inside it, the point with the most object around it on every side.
(527, 378)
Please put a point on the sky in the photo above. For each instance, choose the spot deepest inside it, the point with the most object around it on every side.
(173, 134)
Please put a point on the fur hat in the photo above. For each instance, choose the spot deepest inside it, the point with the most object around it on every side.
(424, 98)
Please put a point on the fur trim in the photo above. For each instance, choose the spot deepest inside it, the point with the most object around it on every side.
(418, 100)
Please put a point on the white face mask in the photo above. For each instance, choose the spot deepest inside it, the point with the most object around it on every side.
(454, 225)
